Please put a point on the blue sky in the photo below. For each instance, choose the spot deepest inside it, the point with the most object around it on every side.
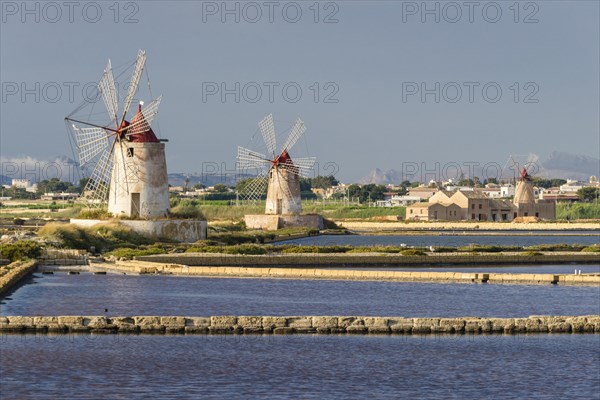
(366, 66)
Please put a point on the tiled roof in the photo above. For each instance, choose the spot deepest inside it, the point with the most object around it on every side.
(473, 195)
(421, 204)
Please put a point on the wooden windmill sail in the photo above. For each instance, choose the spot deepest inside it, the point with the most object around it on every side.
(279, 173)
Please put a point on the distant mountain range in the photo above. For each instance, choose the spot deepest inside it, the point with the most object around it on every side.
(559, 165)
(570, 166)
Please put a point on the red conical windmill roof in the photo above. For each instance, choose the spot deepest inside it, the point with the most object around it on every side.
(141, 131)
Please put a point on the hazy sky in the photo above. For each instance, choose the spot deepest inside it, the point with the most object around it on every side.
(361, 67)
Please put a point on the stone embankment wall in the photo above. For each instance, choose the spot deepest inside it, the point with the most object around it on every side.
(63, 257)
(299, 324)
(370, 259)
(140, 267)
(182, 230)
(11, 274)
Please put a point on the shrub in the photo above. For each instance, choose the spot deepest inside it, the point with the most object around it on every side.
(376, 249)
(413, 252)
(298, 249)
(205, 249)
(129, 253)
(185, 211)
(20, 249)
(592, 249)
(246, 249)
(329, 224)
(488, 248)
(315, 249)
(104, 236)
(555, 247)
(531, 253)
(94, 213)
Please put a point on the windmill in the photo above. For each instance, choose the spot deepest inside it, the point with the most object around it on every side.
(279, 174)
(517, 162)
(126, 159)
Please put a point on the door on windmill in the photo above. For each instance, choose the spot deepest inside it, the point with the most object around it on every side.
(279, 206)
(135, 205)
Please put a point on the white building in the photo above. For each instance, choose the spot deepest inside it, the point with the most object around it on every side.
(507, 190)
(21, 183)
(138, 186)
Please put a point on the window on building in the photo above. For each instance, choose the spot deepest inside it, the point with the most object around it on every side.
(130, 152)
(472, 216)
(537, 214)
(480, 206)
(472, 206)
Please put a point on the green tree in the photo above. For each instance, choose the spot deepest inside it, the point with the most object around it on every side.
(548, 183)
(305, 184)
(52, 186)
(220, 188)
(324, 182)
(354, 190)
(372, 192)
(588, 193)
(82, 183)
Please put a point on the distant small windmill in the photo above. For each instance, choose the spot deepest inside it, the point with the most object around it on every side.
(517, 162)
(279, 173)
(126, 159)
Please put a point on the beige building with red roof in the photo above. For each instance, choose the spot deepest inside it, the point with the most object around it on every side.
(477, 206)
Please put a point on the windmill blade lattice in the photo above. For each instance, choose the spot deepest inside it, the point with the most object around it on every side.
(135, 81)
(90, 142)
(96, 190)
(267, 128)
(247, 159)
(150, 112)
(295, 133)
(98, 144)
(257, 188)
(108, 90)
(273, 162)
(302, 166)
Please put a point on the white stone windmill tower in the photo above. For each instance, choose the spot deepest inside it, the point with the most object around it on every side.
(126, 159)
(280, 175)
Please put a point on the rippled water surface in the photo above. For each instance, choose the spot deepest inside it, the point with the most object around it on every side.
(447, 240)
(307, 367)
(88, 294)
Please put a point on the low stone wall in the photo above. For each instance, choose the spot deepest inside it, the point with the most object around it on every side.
(183, 230)
(273, 222)
(63, 257)
(369, 259)
(361, 225)
(299, 324)
(11, 274)
(140, 267)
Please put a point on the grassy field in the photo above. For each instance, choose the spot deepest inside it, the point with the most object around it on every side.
(327, 210)
(223, 211)
(578, 211)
